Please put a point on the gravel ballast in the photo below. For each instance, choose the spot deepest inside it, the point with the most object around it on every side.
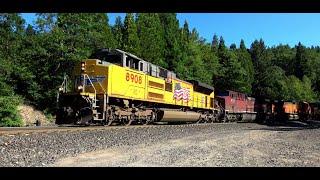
(233, 144)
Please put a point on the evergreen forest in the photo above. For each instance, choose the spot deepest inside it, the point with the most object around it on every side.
(34, 58)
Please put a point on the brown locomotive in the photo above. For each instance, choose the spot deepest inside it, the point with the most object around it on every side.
(240, 107)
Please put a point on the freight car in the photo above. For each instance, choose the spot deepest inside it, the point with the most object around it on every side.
(117, 87)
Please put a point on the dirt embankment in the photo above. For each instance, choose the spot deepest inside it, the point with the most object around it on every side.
(30, 116)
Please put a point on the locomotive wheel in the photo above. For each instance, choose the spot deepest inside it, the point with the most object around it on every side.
(110, 120)
(225, 119)
(214, 120)
(200, 121)
(147, 121)
(150, 119)
(128, 121)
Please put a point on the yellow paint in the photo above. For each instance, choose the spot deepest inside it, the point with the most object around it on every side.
(123, 82)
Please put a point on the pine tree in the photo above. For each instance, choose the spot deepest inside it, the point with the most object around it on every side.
(172, 38)
(117, 31)
(215, 43)
(131, 42)
(222, 51)
(284, 57)
(247, 67)
(196, 58)
(185, 30)
(242, 45)
(257, 51)
(300, 60)
(221, 46)
(233, 46)
(151, 35)
(180, 65)
(261, 61)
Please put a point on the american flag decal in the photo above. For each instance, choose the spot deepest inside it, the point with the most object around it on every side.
(181, 93)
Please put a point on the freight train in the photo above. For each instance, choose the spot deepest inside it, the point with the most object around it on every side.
(117, 87)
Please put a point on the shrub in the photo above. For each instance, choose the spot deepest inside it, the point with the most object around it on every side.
(9, 114)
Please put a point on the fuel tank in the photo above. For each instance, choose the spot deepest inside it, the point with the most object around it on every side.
(177, 116)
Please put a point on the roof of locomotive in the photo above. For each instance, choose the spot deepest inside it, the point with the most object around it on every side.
(129, 54)
(200, 85)
(225, 93)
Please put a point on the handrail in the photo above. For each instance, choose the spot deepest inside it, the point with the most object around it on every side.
(84, 84)
(102, 87)
(63, 87)
(64, 84)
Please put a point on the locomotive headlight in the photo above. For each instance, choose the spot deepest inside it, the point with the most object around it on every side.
(82, 66)
(80, 87)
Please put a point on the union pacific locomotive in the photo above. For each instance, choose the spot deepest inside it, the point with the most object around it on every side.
(117, 87)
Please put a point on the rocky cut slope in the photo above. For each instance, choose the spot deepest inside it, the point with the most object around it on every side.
(32, 117)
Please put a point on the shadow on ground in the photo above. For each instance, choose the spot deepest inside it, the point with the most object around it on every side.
(289, 126)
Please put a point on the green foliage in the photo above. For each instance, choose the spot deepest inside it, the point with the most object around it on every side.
(247, 68)
(300, 90)
(152, 43)
(11, 32)
(283, 56)
(33, 59)
(72, 38)
(117, 31)
(215, 43)
(131, 42)
(273, 84)
(210, 62)
(194, 63)
(172, 50)
(9, 115)
(232, 72)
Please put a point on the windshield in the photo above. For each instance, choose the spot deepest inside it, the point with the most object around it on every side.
(110, 57)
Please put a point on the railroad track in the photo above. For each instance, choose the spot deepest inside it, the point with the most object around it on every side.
(11, 131)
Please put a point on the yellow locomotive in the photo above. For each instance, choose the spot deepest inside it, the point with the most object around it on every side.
(114, 86)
